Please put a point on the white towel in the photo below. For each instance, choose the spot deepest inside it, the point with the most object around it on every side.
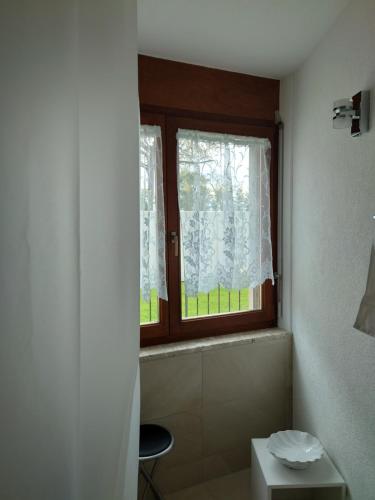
(365, 321)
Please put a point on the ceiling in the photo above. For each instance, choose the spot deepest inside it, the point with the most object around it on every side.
(261, 37)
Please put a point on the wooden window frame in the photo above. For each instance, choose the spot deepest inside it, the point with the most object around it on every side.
(172, 327)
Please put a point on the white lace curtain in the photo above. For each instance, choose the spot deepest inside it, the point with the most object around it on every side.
(224, 202)
(152, 225)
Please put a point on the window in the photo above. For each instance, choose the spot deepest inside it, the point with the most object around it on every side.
(219, 197)
(152, 224)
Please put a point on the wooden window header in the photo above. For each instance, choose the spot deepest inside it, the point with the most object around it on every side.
(177, 95)
(173, 86)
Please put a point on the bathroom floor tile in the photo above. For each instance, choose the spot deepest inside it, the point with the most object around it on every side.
(234, 486)
(199, 492)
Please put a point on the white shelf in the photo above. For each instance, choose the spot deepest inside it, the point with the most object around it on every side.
(269, 475)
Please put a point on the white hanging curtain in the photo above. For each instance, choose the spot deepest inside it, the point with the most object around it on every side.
(224, 202)
(69, 250)
(152, 224)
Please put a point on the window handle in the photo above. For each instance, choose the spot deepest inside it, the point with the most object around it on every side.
(174, 240)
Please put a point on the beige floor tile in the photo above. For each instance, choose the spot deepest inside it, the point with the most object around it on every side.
(226, 462)
(230, 487)
(199, 492)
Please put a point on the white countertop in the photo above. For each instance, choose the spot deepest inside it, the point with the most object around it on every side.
(318, 474)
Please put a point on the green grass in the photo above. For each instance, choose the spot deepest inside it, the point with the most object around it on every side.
(149, 311)
(230, 301)
(204, 304)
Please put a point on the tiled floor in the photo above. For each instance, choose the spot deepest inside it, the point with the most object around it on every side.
(231, 487)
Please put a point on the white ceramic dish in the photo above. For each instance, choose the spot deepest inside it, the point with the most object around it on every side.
(295, 449)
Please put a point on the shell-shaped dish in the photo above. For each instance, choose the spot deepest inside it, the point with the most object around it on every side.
(295, 449)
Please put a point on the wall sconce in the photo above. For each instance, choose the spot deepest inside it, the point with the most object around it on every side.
(353, 113)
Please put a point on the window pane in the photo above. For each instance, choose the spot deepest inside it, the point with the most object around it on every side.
(223, 190)
(149, 310)
(152, 226)
(220, 301)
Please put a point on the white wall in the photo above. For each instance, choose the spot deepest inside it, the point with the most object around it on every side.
(332, 200)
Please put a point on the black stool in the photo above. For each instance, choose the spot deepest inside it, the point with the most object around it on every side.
(154, 442)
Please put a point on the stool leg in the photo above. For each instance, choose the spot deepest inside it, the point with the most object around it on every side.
(147, 485)
(150, 482)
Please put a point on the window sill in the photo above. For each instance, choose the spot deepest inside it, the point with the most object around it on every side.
(210, 343)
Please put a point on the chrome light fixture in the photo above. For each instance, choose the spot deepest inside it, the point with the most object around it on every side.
(353, 113)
